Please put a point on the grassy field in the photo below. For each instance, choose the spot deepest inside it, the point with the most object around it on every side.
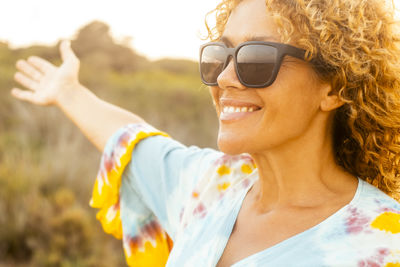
(47, 167)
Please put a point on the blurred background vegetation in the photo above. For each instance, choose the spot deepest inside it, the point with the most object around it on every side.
(47, 167)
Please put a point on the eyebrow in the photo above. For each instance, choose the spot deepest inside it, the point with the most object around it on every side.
(227, 41)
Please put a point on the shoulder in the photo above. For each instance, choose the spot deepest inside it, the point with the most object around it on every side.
(372, 211)
(367, 232)
(375, 218)
(376, 201)
(384, 211)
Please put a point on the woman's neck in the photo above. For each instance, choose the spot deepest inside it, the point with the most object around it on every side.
(302, 173)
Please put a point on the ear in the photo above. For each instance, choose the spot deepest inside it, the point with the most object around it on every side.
(330, 100)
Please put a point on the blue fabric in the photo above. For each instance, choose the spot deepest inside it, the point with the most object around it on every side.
(196, 195)
(164, 164)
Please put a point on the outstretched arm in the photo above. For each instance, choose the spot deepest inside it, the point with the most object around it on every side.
(51, 85)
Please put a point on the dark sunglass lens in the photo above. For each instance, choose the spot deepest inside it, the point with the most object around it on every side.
(256, 63)
(212, 63)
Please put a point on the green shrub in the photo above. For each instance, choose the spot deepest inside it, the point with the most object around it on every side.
(47, 167)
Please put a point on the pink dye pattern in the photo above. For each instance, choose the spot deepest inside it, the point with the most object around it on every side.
(148, 231)
(375, 260)
(356, 222)
(116, 206)
(386, 209)
(123, 139)
(221, 195)
(225, 159)
(181, 214)
(200, 210)
(245, 183)
(108, 163)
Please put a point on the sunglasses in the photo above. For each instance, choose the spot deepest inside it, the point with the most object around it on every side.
(257, 63)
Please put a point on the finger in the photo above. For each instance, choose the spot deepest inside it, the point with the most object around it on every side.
(26, 81)
(25, 95)
(66, 51)
(21, 94)
(30, 71)
(42, 65)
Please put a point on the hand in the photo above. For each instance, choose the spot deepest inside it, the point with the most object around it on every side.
(46, 82)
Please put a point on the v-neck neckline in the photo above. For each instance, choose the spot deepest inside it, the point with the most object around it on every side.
(269, 250)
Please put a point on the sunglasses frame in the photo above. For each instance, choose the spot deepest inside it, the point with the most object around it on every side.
(282, 50)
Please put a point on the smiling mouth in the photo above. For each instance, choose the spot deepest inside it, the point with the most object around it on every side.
(231, 109)
(232, 114)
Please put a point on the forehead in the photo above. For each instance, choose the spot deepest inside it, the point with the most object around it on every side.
(250, 21)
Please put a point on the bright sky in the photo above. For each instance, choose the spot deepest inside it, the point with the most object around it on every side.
(158, 28)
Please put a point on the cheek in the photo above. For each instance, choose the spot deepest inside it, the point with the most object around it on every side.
(290, 105)
(291, 114)
(288, 111)
(295, 90)
(283, 120)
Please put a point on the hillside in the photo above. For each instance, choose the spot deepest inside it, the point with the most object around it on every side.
(47, 167)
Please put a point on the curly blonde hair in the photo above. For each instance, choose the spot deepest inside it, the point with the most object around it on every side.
(354, 45)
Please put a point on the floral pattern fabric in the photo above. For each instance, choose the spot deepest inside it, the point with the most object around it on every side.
(176, 206)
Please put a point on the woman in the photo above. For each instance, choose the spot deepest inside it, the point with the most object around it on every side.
(318, 125)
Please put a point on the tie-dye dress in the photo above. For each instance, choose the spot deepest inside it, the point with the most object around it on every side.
(175, 205)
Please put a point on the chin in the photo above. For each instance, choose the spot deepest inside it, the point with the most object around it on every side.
(231, 145)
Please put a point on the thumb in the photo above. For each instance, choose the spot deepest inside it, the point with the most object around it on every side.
(66, 51)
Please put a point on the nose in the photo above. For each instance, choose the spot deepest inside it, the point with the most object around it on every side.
(228, 78)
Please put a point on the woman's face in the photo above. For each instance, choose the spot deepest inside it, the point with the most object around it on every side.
(288, 106)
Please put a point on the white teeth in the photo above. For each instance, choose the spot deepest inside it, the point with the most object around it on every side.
(227, 109)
